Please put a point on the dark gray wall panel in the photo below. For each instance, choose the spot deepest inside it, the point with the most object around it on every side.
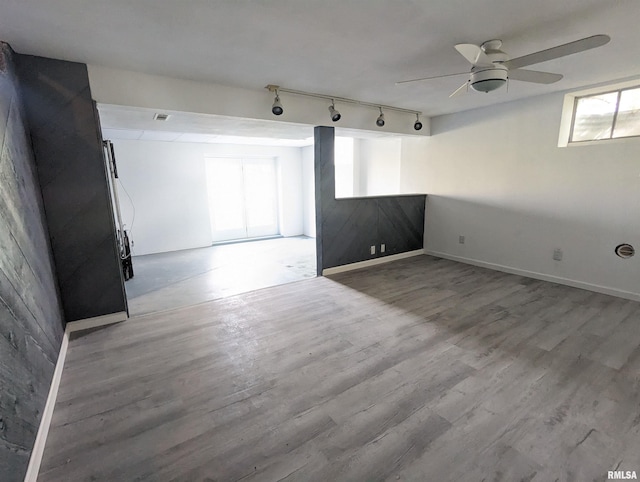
(68, 152)
(347, 228)
(31, 321)
(401, 223)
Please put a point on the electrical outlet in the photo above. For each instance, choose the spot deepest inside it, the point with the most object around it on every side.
(557, 254)
(461, 239)
(373, 250)
(383, 248)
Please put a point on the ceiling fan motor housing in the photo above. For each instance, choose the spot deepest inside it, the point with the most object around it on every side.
(488, 79)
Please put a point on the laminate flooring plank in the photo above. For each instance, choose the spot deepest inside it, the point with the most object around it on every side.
(633, 362)
(619, 346)
(235, 457)
(565, 325)
(419, 369)
(386, 454)
(607, 320)
(423, 385)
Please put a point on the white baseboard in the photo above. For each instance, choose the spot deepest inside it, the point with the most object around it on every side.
(96, 321)
(43, 430)
(371, 262)
(628, 295)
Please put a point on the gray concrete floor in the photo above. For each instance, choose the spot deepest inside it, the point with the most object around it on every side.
(182, 278)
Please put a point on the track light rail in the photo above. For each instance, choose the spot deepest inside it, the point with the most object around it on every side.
(344, 100)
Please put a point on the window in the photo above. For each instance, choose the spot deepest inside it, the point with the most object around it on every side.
(607, 115)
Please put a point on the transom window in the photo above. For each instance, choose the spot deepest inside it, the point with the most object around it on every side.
(609, 115)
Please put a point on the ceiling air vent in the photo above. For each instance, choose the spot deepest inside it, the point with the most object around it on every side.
(625, 251)
(161, 117)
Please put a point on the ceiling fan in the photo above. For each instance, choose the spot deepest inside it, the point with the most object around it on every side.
(491, 67)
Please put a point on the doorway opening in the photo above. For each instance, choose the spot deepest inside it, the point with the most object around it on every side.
(211, 215)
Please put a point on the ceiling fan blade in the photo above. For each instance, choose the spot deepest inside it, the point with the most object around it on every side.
(430, 78)
(534, 76)
(460, 90)
(557, 52)
(473, 54)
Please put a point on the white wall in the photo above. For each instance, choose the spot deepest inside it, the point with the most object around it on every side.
(373, 167)
(308, 192)
(496, 176)
(167, 184)
(378, 166)
(345, 173)
(290, 183)
(412, 160)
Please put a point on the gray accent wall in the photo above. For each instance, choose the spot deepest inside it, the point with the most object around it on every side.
(31, 320)
(347, 228)
(58, 252)
(67, 144)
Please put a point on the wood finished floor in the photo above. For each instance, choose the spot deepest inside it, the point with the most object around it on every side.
(419, 370)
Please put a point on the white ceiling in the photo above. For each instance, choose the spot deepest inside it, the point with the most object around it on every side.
(132, 123)
(346, 48)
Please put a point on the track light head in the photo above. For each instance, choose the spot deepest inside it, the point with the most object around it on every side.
(417, 125)
(276, 108)
(380, 119)
(335, 115)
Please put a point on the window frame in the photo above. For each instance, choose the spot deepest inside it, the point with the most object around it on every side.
(577, 98)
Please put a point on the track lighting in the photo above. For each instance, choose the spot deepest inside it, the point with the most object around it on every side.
(335, 115)
(417, 125)
(276, 108)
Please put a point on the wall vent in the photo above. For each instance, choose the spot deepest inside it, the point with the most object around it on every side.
(161, 117)
(625, 251)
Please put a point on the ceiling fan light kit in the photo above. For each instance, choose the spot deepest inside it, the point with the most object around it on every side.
(488, 80)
